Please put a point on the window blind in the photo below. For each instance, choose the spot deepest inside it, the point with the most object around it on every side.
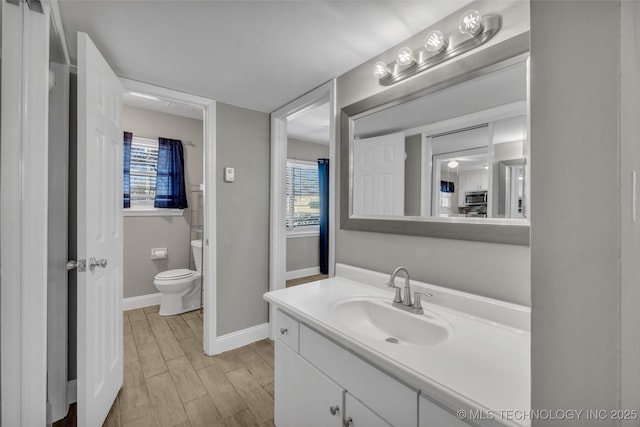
(303, 194)
(144, 161)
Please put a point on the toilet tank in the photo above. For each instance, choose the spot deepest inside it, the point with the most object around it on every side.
(196, 247)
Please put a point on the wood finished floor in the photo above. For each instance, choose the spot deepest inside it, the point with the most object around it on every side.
(168, 381)
(303, 280)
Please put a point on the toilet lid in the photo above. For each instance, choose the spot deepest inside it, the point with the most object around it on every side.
(179, 273)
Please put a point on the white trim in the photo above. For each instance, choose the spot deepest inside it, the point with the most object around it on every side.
(209, 169)
(72, 391)
(277, 231)
(243, 337)
(59, 30)
(304, 231)
(305, 272)
(141, 301)
(138, 211)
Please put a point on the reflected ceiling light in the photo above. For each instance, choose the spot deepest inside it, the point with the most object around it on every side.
(380, 70)
(470, 23)
(434, 42)
(405, 56)
(142, 95)
(453, 163)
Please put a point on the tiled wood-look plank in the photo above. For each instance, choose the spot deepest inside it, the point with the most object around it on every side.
(256, 366)
(265, 350)
(169, 345)
(142, 416)
(189, 315)
(203, 413)
(180, 328)
(142, 333)
(224, 395)
(193, 349)
(151, 309)
(258, 401)
(134, 388)
(243, 419)
(136, 315)
(126, 325)
(228, 361)
(195, 324)
(152, 360)
(130, 350)
(165, 400)
(269, 389)
(269, 424)
(186, 380)
(157, 323)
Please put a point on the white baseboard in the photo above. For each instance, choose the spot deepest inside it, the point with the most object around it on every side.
(141, 301)
(72, 391)
(241, 338)
(305, 272)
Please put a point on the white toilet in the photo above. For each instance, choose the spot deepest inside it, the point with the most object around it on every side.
(180, 288)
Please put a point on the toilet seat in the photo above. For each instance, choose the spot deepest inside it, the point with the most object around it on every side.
(177, 274)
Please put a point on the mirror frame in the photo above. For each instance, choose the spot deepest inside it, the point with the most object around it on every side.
(486, 60)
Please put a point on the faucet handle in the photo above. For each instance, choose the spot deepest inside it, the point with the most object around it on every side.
(417, 303)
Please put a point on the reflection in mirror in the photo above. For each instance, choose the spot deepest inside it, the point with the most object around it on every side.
(456, 153)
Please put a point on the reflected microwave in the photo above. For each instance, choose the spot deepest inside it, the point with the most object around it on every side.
(475, 198)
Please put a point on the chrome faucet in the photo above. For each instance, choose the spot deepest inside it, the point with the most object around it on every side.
(405, 303)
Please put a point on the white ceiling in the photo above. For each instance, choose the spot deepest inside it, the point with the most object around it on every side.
(312, 126)
(254, 54)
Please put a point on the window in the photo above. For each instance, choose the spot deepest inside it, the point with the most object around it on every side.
(303, 197)
(142, 173)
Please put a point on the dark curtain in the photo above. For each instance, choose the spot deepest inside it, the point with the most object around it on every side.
(126, 182)
(170, 186)
(447, 187)
(323, 180)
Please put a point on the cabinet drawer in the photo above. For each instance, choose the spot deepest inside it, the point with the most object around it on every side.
(396, 403)
(287, 330)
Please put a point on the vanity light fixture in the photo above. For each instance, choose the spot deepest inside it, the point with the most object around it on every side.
(405, 56)
(434, 42)
(470, 23)
(453, 163)
(380, 70)
(474, 29)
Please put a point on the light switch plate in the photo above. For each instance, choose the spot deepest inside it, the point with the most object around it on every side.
(229, 174)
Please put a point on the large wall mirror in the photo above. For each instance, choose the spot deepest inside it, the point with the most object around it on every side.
(451, 163)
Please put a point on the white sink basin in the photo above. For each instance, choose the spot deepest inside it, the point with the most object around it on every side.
(379, 320)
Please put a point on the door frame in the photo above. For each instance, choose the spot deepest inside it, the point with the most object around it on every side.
(277, 230)
(209, 265)
(23, 217)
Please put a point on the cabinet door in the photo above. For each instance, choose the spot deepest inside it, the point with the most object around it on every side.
(303, 395)
(431, 415)
(358, 415)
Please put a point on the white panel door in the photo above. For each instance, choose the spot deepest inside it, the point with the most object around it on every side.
(378, 175)
(100, 363)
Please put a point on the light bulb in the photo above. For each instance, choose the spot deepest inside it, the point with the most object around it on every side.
(470, 22)
(453, 163)
(405, 56)
(380, 70)
(434, 42)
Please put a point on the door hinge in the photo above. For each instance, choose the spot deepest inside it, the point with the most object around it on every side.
(35, 5)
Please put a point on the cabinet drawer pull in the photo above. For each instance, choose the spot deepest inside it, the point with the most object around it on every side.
(334, 409)
(284, 331)
(347, 421)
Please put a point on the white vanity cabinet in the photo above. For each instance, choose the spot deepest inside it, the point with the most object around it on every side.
(432, 415)
(307, 395)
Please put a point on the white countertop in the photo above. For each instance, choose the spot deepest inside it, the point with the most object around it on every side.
(483, 365)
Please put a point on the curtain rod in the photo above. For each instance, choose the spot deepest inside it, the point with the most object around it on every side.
(156, 139)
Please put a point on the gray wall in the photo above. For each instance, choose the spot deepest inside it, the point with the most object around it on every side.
(575, 253)
(304, 252)
(493, 270)
(171, 232)
(413, 175)
(630, 231)
(242, 218)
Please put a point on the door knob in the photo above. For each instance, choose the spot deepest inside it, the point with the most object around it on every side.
(93, 263)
